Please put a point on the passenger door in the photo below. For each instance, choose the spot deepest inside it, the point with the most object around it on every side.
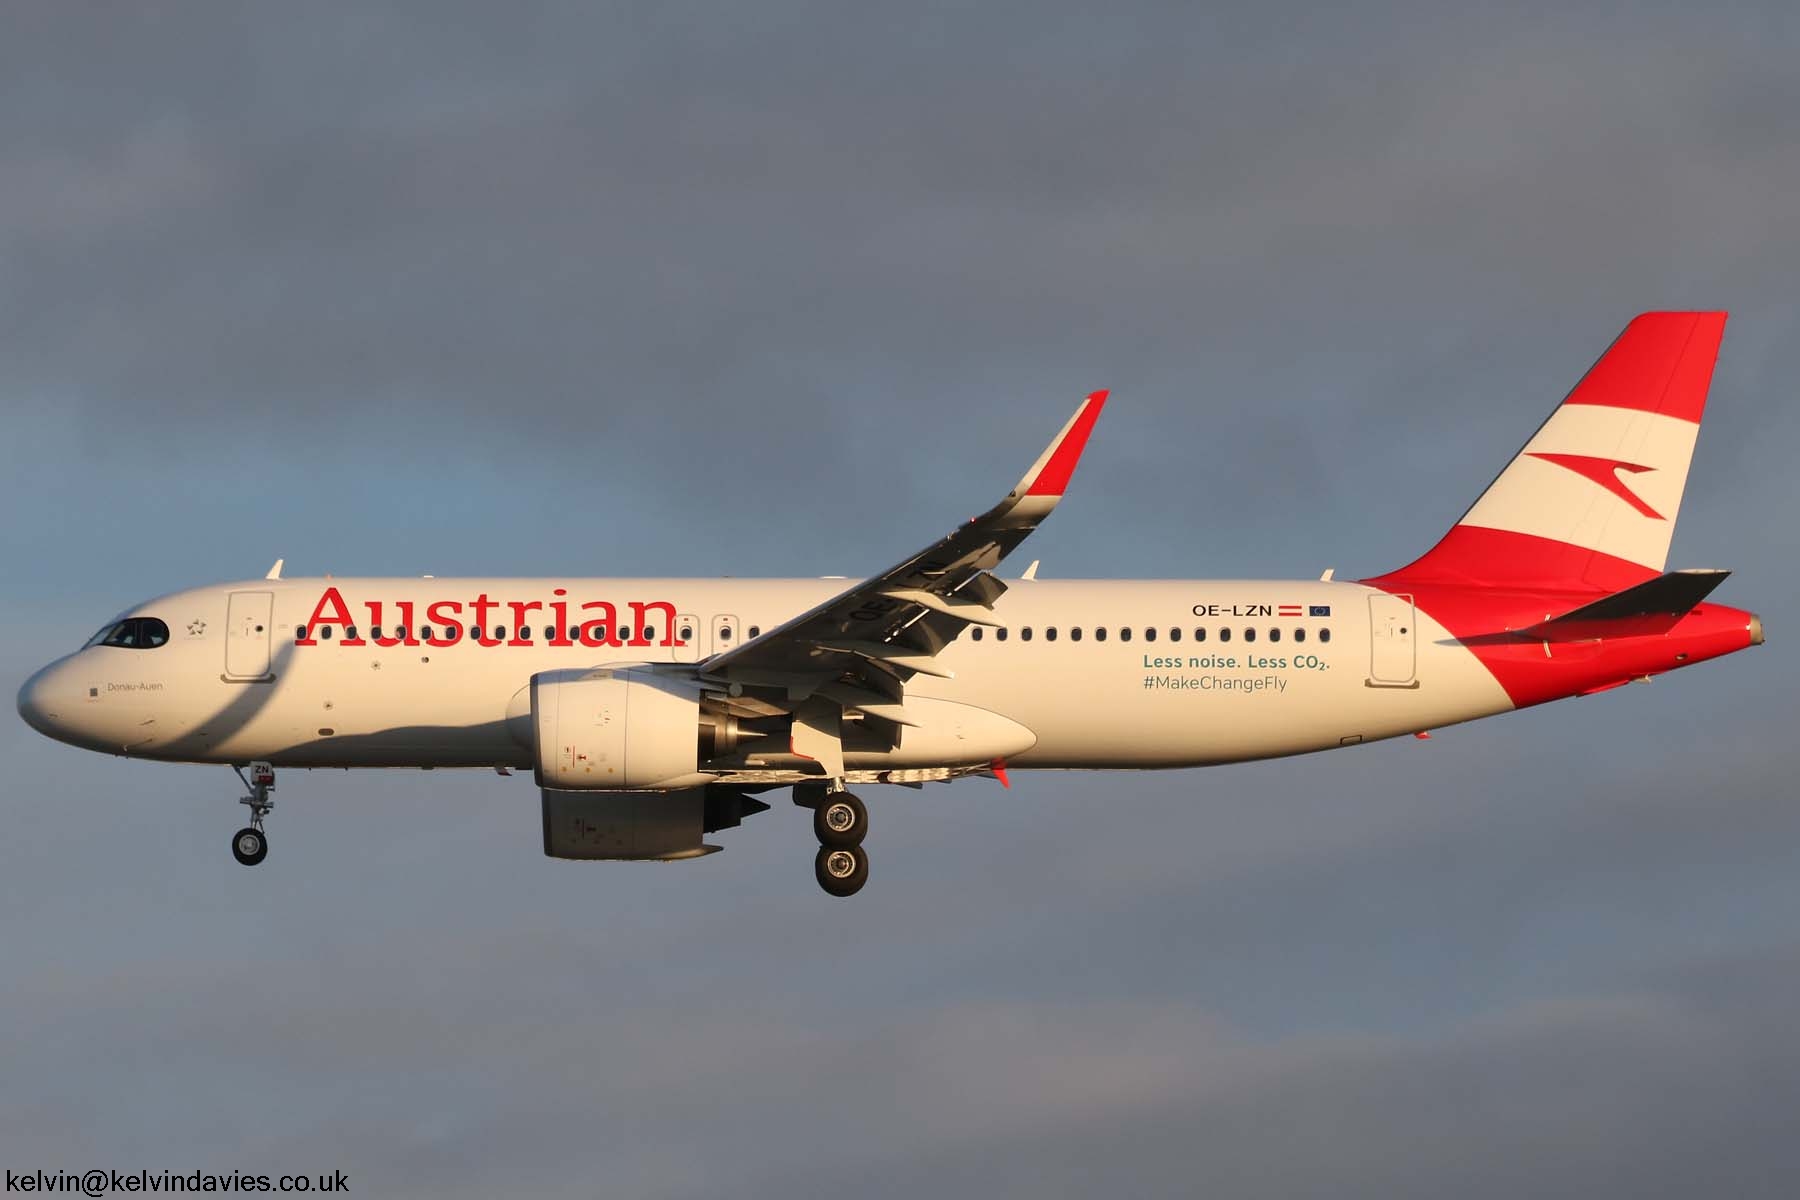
(1393, 657)
(248, 637)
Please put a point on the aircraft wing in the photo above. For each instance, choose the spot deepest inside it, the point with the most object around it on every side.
(858, 649)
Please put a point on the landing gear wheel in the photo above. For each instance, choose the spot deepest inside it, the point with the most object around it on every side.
(842, 871)
(840, 821)
(249, 846)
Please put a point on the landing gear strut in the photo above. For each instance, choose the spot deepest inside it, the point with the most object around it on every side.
(250, 845)
(840, 822)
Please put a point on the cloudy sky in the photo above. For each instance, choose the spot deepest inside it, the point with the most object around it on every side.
(791, 288)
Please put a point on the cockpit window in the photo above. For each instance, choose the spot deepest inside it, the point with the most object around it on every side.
(134, 633)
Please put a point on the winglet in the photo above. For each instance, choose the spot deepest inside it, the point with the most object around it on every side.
(1049, 475)
(275, 571)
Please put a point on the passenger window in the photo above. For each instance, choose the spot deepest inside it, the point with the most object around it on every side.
(687, 633)
(350, 632)
(1174, 635)
(549, 633)
(1150, 635)
(499, 633)
(1324, 635)
(1249, 635)
(425, 634)
(1050, 634)
(755, 631)
(1299, 635)
(524, 633)
(1224, 633)
(1099, 633)
(975, 633)
(1200, 633)
(1125, 635)
(724, 633)
(1025, 634)
(325, 632)
(374, 631)
(1075, 634)
(574, 633)
(300, 633)
(1274, 635)
(999, 635)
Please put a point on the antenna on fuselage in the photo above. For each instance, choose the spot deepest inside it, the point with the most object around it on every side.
(275, 571)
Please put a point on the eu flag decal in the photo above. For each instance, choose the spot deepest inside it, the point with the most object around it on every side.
(1319, 610)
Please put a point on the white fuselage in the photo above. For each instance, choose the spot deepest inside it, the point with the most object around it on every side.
(1103, 674)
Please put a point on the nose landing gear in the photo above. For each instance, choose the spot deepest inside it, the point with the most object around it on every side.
(840, 822)
(250, 845)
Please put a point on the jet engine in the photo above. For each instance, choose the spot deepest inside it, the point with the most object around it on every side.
(620, 729)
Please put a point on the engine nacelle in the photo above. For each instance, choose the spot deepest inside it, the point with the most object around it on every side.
(615, 729)
(640, 825)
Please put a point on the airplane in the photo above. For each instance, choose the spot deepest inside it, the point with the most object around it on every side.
(653, 712)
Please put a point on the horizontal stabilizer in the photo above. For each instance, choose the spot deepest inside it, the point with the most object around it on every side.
(1651, 607)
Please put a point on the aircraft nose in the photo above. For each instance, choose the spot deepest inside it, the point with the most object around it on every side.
(38, 705)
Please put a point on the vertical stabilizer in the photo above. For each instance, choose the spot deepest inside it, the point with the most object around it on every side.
(1591, 500)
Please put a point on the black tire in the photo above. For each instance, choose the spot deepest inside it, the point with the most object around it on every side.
(830, 866)
(249, 846)
(841, 821)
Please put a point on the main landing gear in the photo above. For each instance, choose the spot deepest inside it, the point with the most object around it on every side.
(840, 822)
(250, 845)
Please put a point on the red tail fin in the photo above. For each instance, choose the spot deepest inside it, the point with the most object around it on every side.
(1590, 502)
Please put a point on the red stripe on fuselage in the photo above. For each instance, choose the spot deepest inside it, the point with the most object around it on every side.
(1481, 616)
(1473, 555)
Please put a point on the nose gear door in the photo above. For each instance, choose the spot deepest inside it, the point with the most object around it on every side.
(248, 637)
